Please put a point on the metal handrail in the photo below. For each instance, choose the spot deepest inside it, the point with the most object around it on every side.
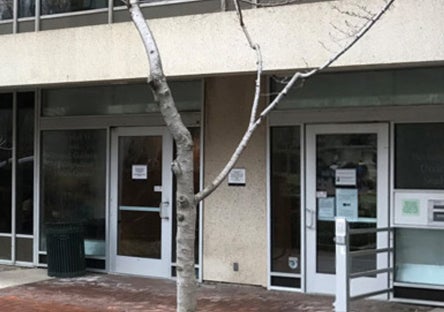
(368, 230)
(367, 252)
(343, 263)
(370, 272)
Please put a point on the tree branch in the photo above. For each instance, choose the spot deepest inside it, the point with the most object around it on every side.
(263, 4)
(254, 108)
(156, 76)
(304, 75)
(255, 122)
(182, 166)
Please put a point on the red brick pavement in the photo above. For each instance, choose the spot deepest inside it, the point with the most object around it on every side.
(100, 293)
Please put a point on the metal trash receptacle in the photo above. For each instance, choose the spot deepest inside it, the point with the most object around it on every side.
(65, 249)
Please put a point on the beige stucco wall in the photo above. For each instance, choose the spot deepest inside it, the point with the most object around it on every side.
(411, 32)
(234, 218)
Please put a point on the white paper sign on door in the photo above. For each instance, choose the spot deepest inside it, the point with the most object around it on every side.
(345, 177)
(326, 208)
(139, 172)
(347, 203)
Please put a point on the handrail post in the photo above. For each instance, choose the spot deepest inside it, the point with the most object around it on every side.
(342, 265)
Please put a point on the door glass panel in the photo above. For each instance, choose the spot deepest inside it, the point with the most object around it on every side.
(346, 187)
(140, 182)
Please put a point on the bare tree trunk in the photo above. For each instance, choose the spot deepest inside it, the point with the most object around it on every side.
(182, 167)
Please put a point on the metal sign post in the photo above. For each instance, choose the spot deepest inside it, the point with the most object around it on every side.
(342, 265)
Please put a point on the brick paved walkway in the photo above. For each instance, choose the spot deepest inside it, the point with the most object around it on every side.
(102, 292)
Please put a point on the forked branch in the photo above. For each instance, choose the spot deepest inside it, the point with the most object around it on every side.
(253, 114)
(255, 121)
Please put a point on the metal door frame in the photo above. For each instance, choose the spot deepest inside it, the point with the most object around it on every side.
(133, 265)
(325, 283)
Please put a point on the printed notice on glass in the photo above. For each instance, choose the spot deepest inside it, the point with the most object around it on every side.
(347, 203)
(326, 208)
(139, 172)
(345, 177)
(321, 194)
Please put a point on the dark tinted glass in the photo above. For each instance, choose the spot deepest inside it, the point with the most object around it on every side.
(73, 173)
(5, 161)
(25, 163)
(6, 9)
(66, 6)
(285, 200)
(419, 157)
(26, 8)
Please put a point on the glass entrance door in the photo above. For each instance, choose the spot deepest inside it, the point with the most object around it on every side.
(141, 201)
(347, 176)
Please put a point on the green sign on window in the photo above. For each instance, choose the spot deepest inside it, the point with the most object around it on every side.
(410, 207)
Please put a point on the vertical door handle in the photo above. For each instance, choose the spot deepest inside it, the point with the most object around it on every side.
(163, 210)
(310, 218)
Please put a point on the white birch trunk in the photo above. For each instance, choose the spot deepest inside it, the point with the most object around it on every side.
(186, 201)
(182, 167)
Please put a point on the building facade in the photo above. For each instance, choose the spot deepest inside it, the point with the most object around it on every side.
(81, 140)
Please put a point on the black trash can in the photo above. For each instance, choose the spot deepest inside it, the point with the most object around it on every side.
(65, 249)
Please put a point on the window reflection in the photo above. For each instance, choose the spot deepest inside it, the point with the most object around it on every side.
(73, 174)
(117, 99)
(26, 8)
(419, 163)
(25, 163)
(5, 162)
(6, 9)
(358, 153)
(418, 257)
(139, 231)
(64, 6)
(285, 200)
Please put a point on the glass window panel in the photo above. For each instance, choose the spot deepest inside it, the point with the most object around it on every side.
(23, 249)
(26, 8)
(370, 88)
(117, 99)
(5, 162)
(73, 179)
(6, 9)
(139, 222)
(419, 256)
(65, 6)
(5, 248)
(419, 162)
(285, 200)
(356, 152)
(25, 163)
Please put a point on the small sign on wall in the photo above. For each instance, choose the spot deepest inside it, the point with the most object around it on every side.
(139, 172)
(410, 207)
(237, 177)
